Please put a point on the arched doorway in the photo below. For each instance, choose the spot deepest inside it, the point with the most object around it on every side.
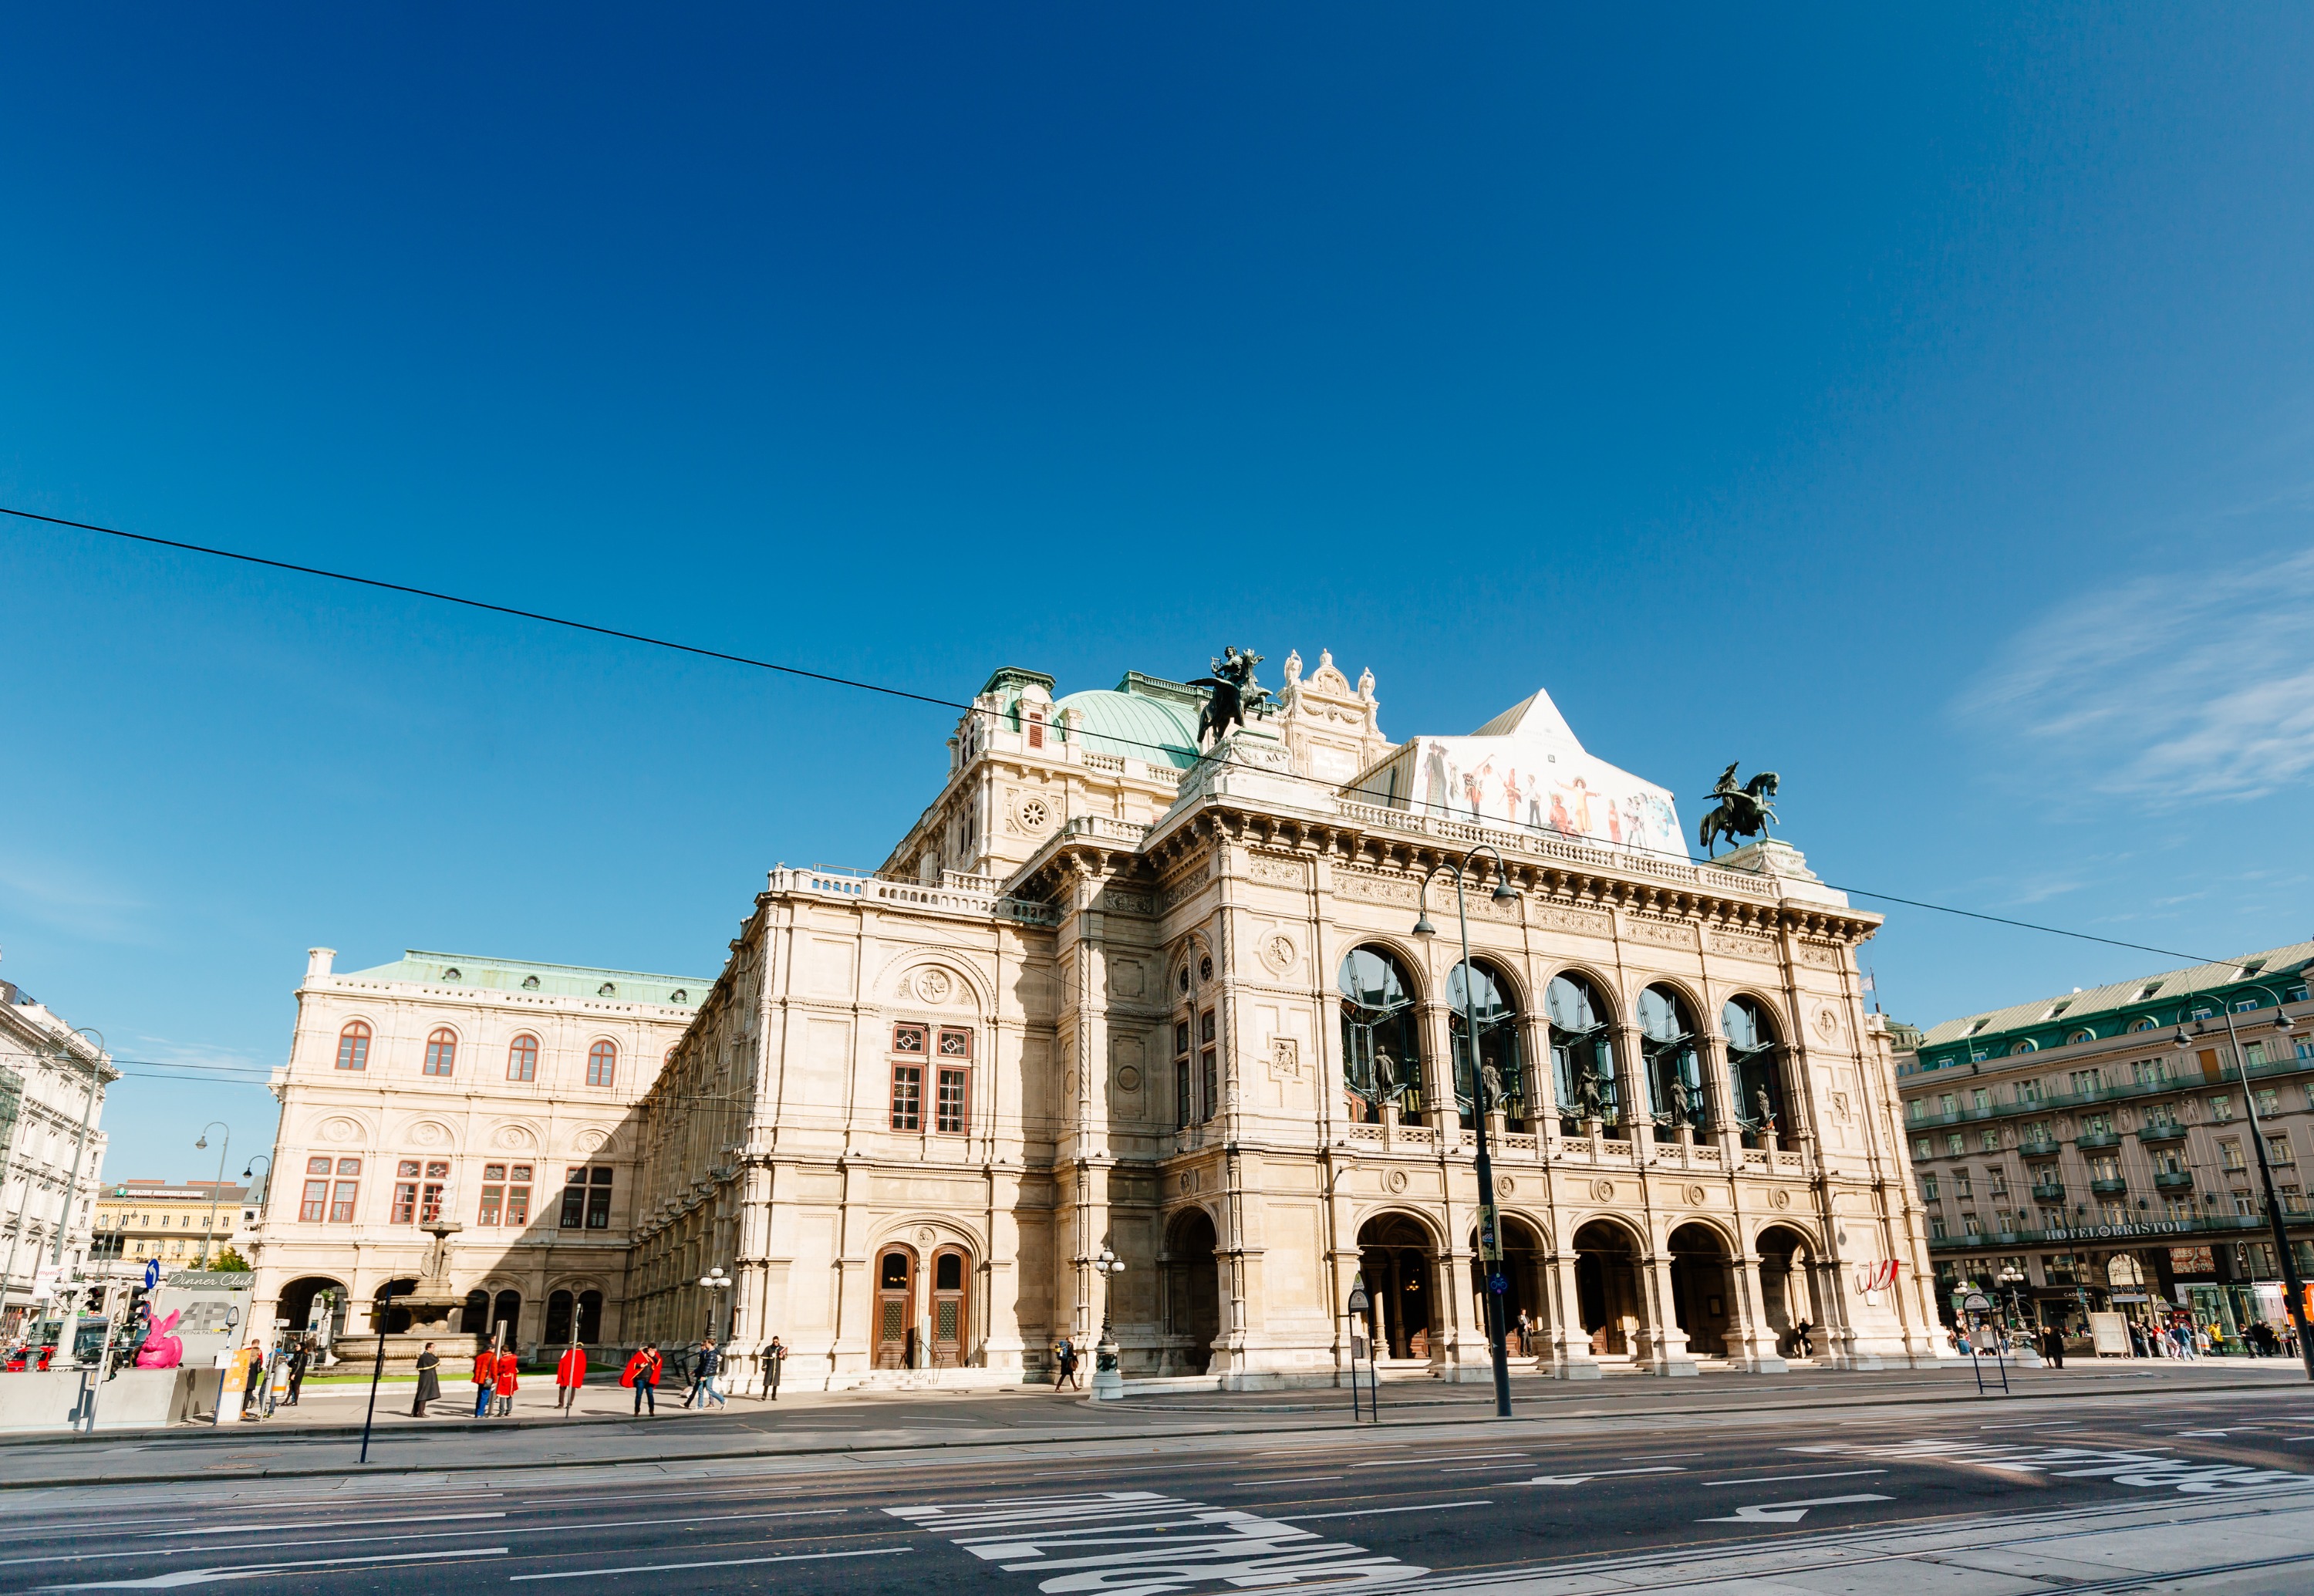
(1394, 1256)
(1583, 1056)
(1785, 1293)
(1193, 1290)
(475, 1317)
(896, 1303)
(1701, 1289)
(1522, 1299)
(558, 1307)
(1607, 1286)
(391, 1320)
(1501, 1078)
(950, 1313)
(1382, 1045)
(505, 1317)
(1753, 1069)
(300, 1299)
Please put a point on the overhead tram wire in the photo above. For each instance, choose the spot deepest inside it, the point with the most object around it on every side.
(699, 651)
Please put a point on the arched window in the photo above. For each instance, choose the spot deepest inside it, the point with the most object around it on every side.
(442, 1052)
(353, 1047)
(1583, 1053)
(2026, 1046)
(2083, 1034)
(1501, 1082)
(2143, 1022)
(1758, 1084)
(602, 1064)
(522, 1059)
(1381, 1045)
(1674, 1073)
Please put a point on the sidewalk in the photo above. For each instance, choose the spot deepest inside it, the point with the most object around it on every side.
(318, 1440)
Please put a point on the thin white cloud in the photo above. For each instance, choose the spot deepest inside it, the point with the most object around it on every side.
(2166, 689)
(67, 899)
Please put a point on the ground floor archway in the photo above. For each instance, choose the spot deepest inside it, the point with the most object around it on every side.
(298, 1299)
(1193, 1291)
(1521, 1296)
(1607, 1286)
(1702, 1289)
(1394, 1256)
(1786, 1293)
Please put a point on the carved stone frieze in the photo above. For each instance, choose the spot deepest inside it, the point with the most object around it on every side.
(1274, 871)
(1662, 933)
(1586, 923)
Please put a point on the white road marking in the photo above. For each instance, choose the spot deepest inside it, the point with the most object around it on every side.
(440, 1518)
(1367, 1513)
(1777, 1479)
(202, 1576)
(1407, 1462)
(1787, 1512)
(884, 1551)
(1291, 1479)
(1577, 1479)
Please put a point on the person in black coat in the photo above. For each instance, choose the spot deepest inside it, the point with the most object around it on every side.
(298, 1353)
(2052, 1347)
(430, 1381)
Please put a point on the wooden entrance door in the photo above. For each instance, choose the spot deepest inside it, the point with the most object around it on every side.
(948, 1310)
(896, 1303)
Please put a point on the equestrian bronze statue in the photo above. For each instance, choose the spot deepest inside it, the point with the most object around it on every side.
(1741, 812)
(1235, 695)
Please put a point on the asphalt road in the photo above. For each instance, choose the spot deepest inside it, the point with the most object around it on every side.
(2108, 1487)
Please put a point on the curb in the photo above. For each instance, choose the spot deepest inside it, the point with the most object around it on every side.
(758, 1453)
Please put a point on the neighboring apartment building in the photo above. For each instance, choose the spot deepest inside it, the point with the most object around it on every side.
(179, 1224)
(53, 1081)
(2093, 1151)
(1108, 993)
(493, 1094)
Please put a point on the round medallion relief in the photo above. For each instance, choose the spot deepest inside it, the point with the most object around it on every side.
(924, 1235)
(1779, 1199)
(1128, 1079)
(341, 1130)
(1827, 1024)
(1395, 1180)
(1694, 1195)
(935, 985)
(512, 1138)
(1278, 952)
(1602, 1191)
(588, 1141)
(1506, 1187)
(429, 1134)
(1034, 813)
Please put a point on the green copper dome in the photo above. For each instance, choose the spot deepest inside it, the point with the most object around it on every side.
(1135, 725)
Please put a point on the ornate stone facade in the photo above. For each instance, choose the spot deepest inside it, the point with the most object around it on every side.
(1109, 993)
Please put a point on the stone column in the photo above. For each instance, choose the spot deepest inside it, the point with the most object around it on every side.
(1753, 1346)
(1570, 1344)
(1633, 1094)
(1665, 1343)
(1462, 1336)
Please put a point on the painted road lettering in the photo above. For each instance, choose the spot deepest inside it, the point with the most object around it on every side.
(1787, 1512)
(1143, 1543)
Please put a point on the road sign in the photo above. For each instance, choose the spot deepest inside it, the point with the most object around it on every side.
(1976, 1303)
(152, 1273)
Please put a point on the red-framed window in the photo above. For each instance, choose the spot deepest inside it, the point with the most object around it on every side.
(521, 1058)
(342, 1194)
(353, 1047)
(603, 1064)
(907, 1096)
(315, 1208)
(506, 1194)
(442, 1052)
(950, 1108)
(417, 1190)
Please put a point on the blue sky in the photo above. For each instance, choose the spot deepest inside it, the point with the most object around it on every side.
(1918, 404)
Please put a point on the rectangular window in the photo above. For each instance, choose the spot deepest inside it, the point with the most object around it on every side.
(1921, 1149)
(1206, 1026)
(430, 1195)
(1970, 1223)
(2268, 1101)
(342, 1196)
(1948, 1104)
(1996, 1181)
(955, 1044)
(2253, 1054)
(493, 1194)
(948, 1109)
(1928, 1187)
(1915, 1109)
(1990, 1140)
(1208, 1084)
(517, 1208)
(1980, 1100)
(574, 1199)
(2149, 1071)
(1181, 1093)
(2230, 1154)
(599, 1201)
(907, 1096)
(2222, 1109)
(1954, 1145)
(908, 1038)
(2243, 1207)
(1936, 1227)
(316, 1203)
(405, 1202)
(2293, 1201)
(2029, 1092)
(1961, 1186)
(2277, 1150)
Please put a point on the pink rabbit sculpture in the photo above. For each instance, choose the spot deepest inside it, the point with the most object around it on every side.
(162, 1350)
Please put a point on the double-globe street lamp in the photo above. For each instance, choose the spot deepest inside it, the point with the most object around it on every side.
(1490, 1243)
(714, 1283)
(2283, 1026)
(1108, 1379)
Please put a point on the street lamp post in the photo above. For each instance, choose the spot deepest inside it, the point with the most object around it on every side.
(224, 1146)
(1490, 1244)
(713, 1282)
(2291, 1282)
(1108, 1378)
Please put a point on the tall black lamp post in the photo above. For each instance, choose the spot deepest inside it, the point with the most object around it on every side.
(2283, 1026)
(1490, 1241)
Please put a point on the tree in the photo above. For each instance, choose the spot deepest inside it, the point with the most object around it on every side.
(229, 1262)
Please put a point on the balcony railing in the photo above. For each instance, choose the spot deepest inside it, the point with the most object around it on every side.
(2039, 1147)
(2054, 1192)
(2120, 1091)
(2112, 1186)
(2088, 1140)
(2167, 1131)
(2173, 1180)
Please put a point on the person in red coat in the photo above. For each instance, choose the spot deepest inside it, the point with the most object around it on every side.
(569, 1374)
(486, 1374)
(507, 1369)
(642, 1373)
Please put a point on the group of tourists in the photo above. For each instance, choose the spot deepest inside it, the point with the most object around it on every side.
(497, 1377)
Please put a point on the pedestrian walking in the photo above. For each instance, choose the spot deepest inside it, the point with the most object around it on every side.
(509, 1370)
(702, 1390)
(1804, 1338)
(774, 1356)
(486, 1375)
(299, 1352)
(569, 1374)
(1065, 1373)
(430, 1381)
(252, 1383)
(2052, 1347)
(642, 1373)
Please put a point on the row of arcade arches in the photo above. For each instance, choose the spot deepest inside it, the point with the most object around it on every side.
(1590, 1076)
(1400, 1259)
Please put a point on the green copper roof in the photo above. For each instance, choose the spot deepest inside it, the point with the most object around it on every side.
(2122, 1006)
(1135, 726)
(554, 981)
